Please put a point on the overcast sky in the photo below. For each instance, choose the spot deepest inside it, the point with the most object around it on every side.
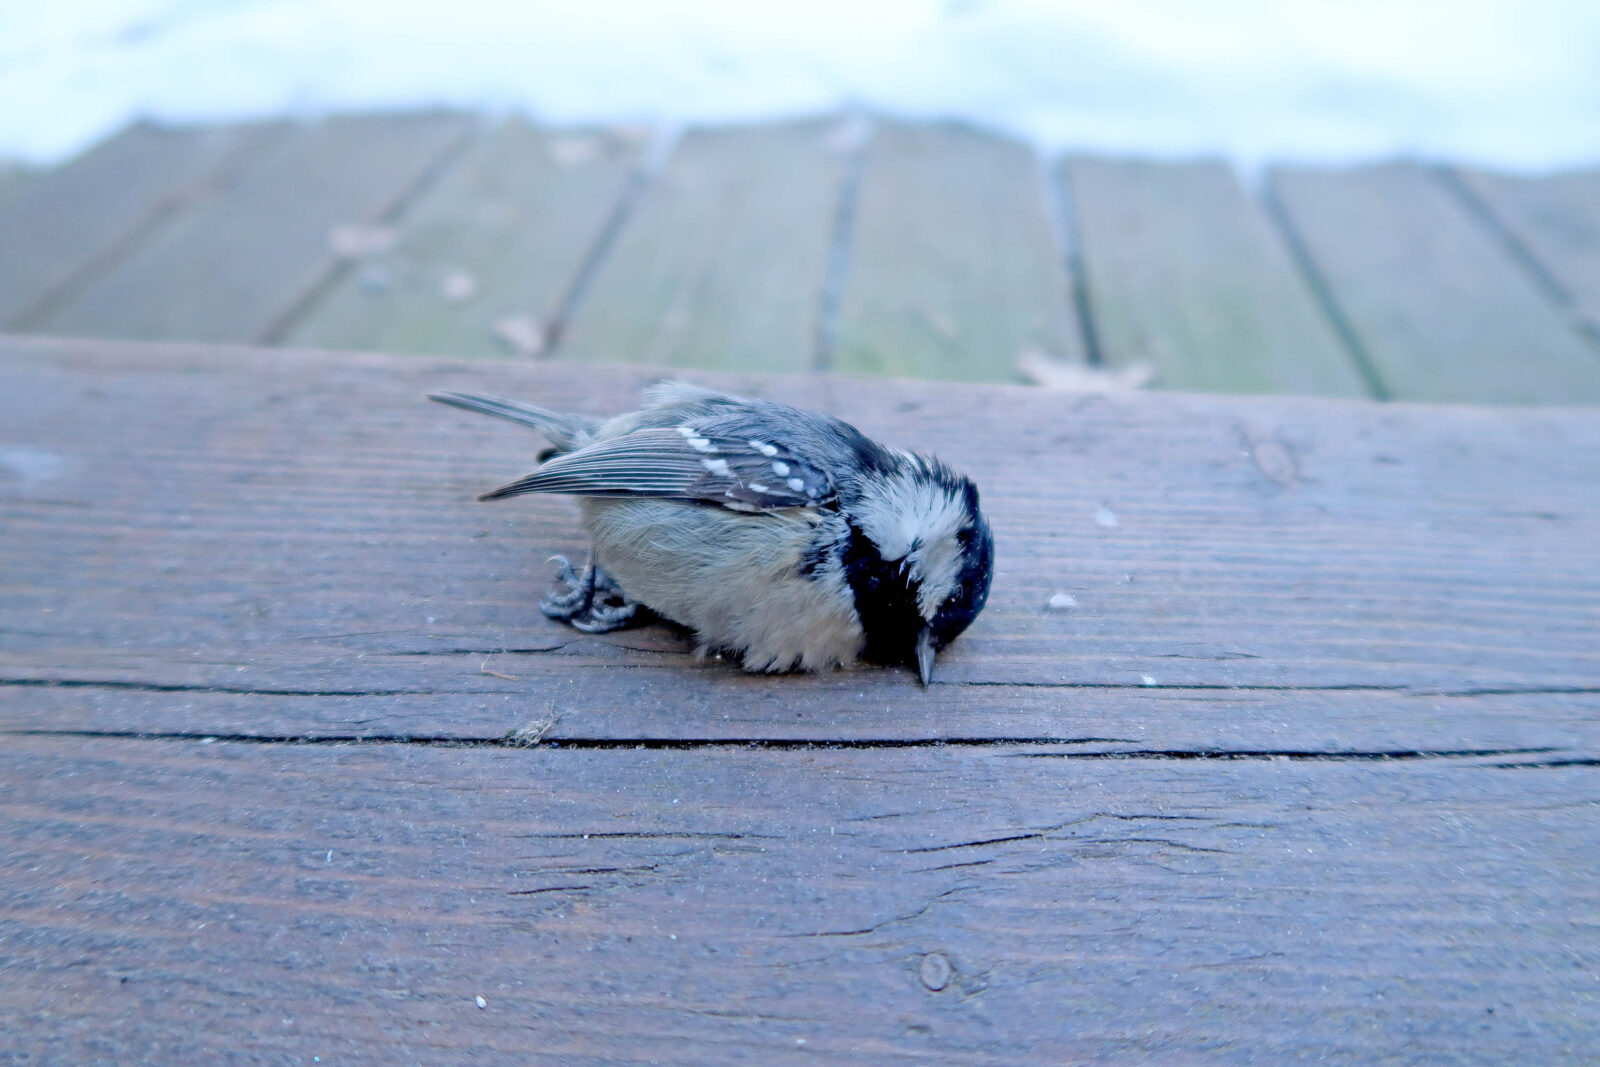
(1492, 81)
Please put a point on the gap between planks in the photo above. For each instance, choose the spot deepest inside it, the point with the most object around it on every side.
(1030, 747)
(1519, 250)
(1322, 292)
(254, 139)
(662, 141)
(395, 210)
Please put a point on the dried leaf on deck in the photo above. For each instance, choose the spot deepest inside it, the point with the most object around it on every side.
(1048, 372)
(356, 240)
(522, 333)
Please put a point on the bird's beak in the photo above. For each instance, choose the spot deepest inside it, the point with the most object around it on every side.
(925, 652)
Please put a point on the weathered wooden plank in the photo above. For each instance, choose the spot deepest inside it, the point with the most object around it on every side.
(237, 266)
(500, 237)
(1556, 217)
(1438, 306)
(164, 901)
(522, 695)
(1184, 273)
(92, 207)
(14, 178)
(952, 270)
(248, 532)
(722, 261)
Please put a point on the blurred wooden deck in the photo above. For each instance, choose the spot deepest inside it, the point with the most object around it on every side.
(840, 243)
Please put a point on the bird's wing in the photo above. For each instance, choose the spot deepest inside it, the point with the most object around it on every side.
(719, 460)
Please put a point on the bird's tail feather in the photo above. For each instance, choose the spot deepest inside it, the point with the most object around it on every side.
(565, 432)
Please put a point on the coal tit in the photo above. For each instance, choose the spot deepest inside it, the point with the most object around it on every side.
(784, 536)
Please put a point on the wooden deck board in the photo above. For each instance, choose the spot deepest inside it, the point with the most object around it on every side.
(952, 271)
(1440, 308)
(1556, 217)
(78, 214)
(1307, 772)
(1184, 273)
(508, 227)
(309, 519)
(496, 697)
(236, 266)
(165, 900)
(722, 260)
(14, 178)
(787, 246)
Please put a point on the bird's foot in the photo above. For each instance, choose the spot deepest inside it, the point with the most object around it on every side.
(592, 601)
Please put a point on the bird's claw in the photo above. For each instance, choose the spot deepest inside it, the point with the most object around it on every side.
(592, 602)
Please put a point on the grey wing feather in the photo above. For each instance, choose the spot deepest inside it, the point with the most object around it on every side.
(740, 472)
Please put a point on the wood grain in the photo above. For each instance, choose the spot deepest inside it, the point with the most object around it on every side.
(1184, 273)
(721, 262)
(238, 266)
(1437, 304)
(244, 530)
(952, 271)
(508, 227)
(1556, 218)
(83, 213)
(291, 767)
(173, 901)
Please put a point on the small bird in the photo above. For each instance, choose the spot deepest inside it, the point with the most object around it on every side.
(784, 536)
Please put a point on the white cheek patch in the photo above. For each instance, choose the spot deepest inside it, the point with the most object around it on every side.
(938, 562)
(916, 519)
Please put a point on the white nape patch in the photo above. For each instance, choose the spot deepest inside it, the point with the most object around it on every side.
(796, 484)
(757, 487)
(780, 468)
(718, 467)
(911, 511)
(700, 444)
(687, 430)
(765, 449)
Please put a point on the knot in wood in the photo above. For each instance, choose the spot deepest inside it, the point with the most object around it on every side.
(935, 971)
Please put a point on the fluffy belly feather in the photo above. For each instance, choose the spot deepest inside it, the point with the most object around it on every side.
(735, 579)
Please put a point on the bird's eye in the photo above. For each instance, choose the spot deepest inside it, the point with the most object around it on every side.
(964, 537)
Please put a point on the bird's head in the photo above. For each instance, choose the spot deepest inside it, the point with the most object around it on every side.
(919, 561)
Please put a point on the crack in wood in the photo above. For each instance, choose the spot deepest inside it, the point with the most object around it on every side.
(1172, 687)
(1573, 762)
(1330, 756)
(783, 744)
(179, 687)
(875, 927)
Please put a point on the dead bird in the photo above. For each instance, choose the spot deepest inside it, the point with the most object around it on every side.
(784, 536)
